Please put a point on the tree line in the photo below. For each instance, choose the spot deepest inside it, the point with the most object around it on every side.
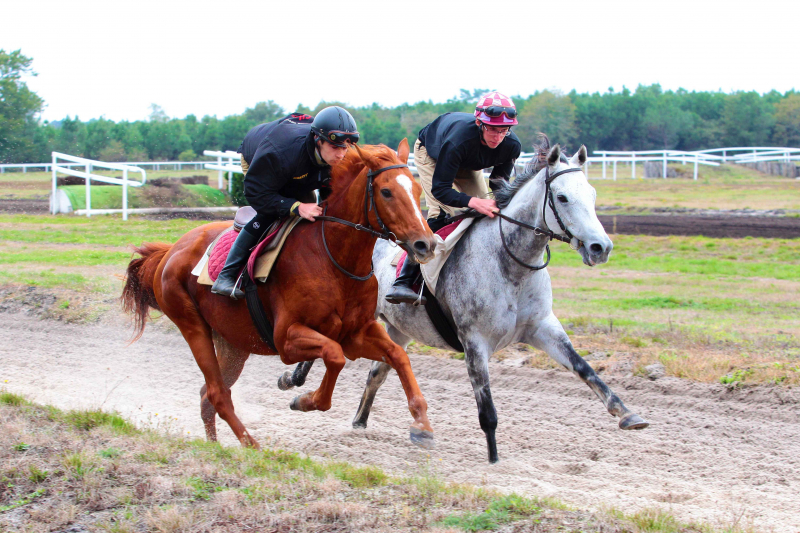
(641, 119)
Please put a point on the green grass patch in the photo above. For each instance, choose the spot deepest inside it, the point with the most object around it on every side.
(53, 279)
(110, 197)
(9, 398)
(66, 257)
(357, 476)
(500, 511)
(89, 419)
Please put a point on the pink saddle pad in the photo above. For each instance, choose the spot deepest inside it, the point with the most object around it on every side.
(216, 260)
(443, 233)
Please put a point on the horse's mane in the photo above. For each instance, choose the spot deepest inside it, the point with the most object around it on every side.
(343, 174)
(506, 191)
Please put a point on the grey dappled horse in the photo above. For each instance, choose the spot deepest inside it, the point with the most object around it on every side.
(494, 301)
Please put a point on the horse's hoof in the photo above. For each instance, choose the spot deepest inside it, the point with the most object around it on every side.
(285, 381)
(422, 438)
(294, 405)
(494, 460)
(633, 421)
(359, 425)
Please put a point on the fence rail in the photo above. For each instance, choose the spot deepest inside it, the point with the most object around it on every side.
(156, 165)
(87, 175)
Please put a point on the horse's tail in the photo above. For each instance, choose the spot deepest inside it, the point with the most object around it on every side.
(137, 295)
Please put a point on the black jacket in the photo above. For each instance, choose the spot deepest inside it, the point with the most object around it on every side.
(454, 141)
(283, 165)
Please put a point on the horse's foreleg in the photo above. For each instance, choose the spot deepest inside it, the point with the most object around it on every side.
(305, 344)
(291, 379)
(478, 368)
(376, 377)
(551, 337)
(231, 362)
(374, 343)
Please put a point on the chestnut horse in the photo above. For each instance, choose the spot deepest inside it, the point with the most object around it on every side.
(317, 310)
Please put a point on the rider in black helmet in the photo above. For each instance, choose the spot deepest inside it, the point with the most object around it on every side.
(284, 162)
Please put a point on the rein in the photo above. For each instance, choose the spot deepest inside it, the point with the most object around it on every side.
(369, 204)
(567, 237)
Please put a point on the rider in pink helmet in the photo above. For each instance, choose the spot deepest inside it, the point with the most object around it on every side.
(450, 155)
(496, 109)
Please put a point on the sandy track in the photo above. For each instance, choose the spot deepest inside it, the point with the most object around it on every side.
(710, 454)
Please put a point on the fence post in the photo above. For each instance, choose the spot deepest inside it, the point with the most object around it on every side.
(604, 166)
(219, 163)
(54, 183)
(633, 166)
(88, 169)
(664, 166)
(615, 170)
(125, 193)
(696, 158)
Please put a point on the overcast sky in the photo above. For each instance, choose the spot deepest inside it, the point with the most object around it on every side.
(115, 58)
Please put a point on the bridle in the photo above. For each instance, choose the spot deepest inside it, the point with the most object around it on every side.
(369, 205)
(548, 193)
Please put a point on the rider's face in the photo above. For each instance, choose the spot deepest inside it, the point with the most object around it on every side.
(492, 135)
(332, 154)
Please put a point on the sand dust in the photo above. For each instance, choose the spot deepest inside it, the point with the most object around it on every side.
(711, 454)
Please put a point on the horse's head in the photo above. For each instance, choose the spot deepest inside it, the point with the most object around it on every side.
(397, 197)
(573, 200)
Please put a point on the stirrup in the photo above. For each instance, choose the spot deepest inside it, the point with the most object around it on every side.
(421, 300)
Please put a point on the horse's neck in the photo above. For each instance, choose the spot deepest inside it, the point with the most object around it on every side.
(526, 206)
(354, 246)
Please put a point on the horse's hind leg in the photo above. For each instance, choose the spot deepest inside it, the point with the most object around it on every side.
(231, 362)
(178, 306)
(302, 344)
(551, 337)
(289, 379)
(376, 377)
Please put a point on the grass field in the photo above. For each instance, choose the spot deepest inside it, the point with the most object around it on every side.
(73, 470)
(707, 309)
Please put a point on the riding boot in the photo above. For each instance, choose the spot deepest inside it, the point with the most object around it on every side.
(401, 288)
(237, 257)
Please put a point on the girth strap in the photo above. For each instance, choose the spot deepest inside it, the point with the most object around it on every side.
(256, 309)
(444, 326)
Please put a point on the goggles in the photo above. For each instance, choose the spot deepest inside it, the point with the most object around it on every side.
(495, 111)
(504, 130)
(341, 138)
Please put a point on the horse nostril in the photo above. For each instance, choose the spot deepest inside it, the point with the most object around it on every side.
(596, 248)
(421, 247)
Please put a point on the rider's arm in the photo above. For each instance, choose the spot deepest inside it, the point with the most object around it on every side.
(263, 181)
(447, 166)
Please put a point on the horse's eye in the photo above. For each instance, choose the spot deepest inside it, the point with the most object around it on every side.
(563, 199)
(386, 193)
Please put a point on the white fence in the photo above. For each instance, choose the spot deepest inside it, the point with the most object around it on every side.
(228, 161)
(155, 165)
(88, 165)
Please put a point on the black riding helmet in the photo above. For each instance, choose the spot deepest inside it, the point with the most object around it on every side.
(336, 126)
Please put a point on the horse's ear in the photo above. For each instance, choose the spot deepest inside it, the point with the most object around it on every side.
(365, 157)
(579, 159)
(553, 156)
(403, 150)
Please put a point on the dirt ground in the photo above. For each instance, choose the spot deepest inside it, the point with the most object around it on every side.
(724, 456)
(714, 226)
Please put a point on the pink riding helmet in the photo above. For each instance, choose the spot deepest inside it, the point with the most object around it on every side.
(496, 109)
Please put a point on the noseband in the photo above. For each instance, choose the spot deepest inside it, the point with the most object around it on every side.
(369, 204)
(548, 199)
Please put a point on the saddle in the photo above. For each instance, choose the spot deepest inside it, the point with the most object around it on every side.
(447, 238)
(263, 256)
